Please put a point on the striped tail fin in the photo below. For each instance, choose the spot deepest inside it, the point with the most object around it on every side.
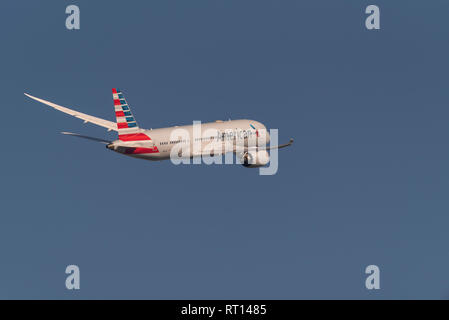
(127, 127)
(125, 120)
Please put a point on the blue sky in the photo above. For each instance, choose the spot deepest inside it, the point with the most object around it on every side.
(365, 182)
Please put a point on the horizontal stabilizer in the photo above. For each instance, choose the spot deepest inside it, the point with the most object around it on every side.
(86, 137)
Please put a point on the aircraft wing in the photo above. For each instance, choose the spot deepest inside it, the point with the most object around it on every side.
(218, 150)
(87, 118)
(243, 149)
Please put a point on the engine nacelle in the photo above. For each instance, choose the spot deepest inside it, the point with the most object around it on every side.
(254, 159)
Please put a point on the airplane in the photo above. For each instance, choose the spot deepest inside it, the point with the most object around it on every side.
(158, 144)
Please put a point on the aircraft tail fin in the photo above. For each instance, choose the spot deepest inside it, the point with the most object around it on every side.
(127, 127)
(126, 123)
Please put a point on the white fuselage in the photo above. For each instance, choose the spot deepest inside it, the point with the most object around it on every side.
(198, 138)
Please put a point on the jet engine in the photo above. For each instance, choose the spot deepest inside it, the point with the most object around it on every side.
(254, 159)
